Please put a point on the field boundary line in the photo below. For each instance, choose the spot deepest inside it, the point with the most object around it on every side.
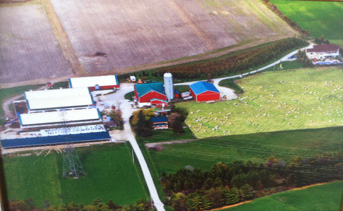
(62, 38)
(300, 188)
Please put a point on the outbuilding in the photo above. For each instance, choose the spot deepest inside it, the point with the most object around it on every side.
(160, 122)
(95, 82)
(204, 91)
(146, 92)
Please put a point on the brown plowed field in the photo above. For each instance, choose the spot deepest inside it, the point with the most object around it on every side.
(133, 33)
(28, 48)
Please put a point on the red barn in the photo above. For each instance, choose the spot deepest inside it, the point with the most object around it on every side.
(204, 91)
(146, 92)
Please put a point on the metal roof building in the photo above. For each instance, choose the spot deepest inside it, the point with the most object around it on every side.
(102, 82)
(147, 92)
(66, 117)
(204, 91)
(58, 98)
(54, 140)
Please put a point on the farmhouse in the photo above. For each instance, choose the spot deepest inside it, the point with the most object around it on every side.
(323, 51)
(146, 92)
(160, 122)
(95, 82)
(58, 99)
(204, 91)
(60, 118)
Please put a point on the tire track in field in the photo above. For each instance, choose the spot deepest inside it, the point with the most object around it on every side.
(62, 38)
(201, 35)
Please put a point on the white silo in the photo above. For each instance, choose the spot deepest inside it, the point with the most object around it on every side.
(168, 86)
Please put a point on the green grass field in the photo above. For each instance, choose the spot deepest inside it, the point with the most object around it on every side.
(318, 198)
(258, 147)
(273, 101)
(317, 17)
(167, 135)
(110, 175)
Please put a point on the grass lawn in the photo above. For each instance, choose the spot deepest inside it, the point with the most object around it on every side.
(129, 95)
(258, 147)
(317, 17)
(110, 175)
(273, 101)
(323, 197)
(167, 135)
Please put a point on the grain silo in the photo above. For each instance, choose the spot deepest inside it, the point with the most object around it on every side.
(168, 86)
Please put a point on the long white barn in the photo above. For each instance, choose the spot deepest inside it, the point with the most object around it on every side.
(95, 82)
(58, 98)
(58, 118)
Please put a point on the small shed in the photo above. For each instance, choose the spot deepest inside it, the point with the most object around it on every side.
(159, 103)
(204, 91)
(146, 92)
(160, 122)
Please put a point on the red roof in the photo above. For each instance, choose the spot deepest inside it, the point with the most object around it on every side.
(324, 48)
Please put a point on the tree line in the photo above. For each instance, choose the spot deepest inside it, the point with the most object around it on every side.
(227, 184)
(233, 63)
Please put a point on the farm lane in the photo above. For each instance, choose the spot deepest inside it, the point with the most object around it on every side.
(127, 134)
(216, 81)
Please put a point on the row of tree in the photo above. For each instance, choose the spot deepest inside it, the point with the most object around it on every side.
(234, 182)
(97, 205)
(233, 63)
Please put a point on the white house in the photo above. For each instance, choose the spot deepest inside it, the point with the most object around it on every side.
(323, 51)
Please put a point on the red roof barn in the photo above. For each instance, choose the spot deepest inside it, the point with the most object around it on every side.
(146, 92)
(204, 91)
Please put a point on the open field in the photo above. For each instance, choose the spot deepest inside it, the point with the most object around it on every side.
(132, 34)
(323, 197)
(284, 145)
(317, 17)
(273, 101)
(110, 175)
(28, 48)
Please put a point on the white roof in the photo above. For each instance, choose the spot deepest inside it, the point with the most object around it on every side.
(106, 80)
(58, 98)
(60, 117)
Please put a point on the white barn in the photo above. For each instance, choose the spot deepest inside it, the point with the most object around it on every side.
(58, 99)
(60, 118)
(323, 51)
(95, 82)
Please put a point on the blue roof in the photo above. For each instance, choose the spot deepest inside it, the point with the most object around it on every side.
(143, 89)
(159, 119)
(54, 140)
(201, 87)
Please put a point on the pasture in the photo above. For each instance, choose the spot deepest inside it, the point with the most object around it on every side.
(28, 47)
(133, 34)
(110, 175)
(273, 101)
(284, 145)
(323, 197)
(317, 17)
